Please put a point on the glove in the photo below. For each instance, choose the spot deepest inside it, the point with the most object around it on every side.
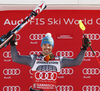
(13, 41)
(85, 43)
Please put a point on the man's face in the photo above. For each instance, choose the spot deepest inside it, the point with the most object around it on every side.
(46, 49)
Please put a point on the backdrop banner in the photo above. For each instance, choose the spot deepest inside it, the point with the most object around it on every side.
(64, 27)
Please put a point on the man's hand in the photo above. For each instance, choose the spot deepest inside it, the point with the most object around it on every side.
(85, 43)
(13, 41)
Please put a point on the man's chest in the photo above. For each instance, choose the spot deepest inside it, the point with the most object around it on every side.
(52, 65)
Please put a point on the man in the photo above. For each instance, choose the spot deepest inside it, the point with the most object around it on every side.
(46, 66)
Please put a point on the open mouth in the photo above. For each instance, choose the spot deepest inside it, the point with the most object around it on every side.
(47, 50)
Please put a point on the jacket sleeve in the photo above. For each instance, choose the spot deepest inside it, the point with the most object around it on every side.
(68, 62)
(21, 59)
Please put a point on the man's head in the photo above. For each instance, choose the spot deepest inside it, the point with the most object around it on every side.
(47, 44)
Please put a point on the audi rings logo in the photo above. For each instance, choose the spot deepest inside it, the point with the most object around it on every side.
(66, 71)
(91, 88)
(91, 71)
(7, 54)
(64, 88)
(65, 53)
(18, 37)
(11, 88)
(93, 36)
(11, 71)
(90, 54)
(36, 36)
(35, 52)
(43, 75)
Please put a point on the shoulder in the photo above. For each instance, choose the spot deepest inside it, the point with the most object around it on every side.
(59, 57)
(33, 56)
